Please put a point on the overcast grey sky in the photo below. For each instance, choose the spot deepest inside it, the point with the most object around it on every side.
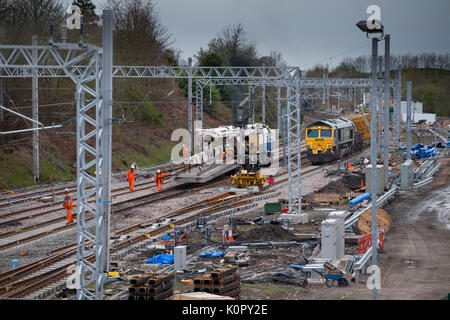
(307, 32)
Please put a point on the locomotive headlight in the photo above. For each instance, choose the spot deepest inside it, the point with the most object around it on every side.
(329, 147)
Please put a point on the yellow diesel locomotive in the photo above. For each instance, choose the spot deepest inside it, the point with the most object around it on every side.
(332, 139)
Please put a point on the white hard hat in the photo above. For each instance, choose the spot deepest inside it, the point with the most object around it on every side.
(66, 190)
(158, 171)
(132, 166)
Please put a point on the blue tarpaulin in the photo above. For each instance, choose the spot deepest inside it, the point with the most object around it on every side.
(165, 238)
(161, 259)
(213, 254)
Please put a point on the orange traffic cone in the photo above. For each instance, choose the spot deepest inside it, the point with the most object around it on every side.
(224, 234)
(230, 234)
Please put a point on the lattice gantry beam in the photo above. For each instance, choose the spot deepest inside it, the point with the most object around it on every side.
(45, 69)
(271, 76)
(304, 83)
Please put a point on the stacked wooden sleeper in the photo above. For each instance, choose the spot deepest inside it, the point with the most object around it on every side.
(151, 286)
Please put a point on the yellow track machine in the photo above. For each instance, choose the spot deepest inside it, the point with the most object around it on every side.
(245, 178)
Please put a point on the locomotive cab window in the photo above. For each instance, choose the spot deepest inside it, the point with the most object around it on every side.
(313, 133)
(325, 133)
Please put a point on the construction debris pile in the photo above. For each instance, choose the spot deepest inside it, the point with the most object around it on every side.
(269, 232)
(335, 191)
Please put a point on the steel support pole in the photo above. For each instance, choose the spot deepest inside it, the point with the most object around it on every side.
(263, 104)
(373, 156)
(323, 89)
(380, 107)
(289, 146)
(339, 103)
(201, 106)
(35, 111)
(279, 112)
(397, 110)
(252, 104)
(190, 98)
(328, 97)
(387, 97)
(107, 44)
(284, 134)
(408, 120)
(299, 139)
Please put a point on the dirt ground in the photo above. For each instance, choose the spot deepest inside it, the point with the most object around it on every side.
(415, 262)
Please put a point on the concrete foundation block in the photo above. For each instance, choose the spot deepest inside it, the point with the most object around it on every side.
(296, 218)
(328, 244)
(406, 175)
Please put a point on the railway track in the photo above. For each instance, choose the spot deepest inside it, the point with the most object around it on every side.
(21, 282)
(16, 199)
(57, 206)
(16, 237)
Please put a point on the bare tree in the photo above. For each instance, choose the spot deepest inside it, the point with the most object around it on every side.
(139, 30)
(33, 17)
(232, 46)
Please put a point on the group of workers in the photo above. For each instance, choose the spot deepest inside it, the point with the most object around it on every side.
(158, 176)
(131, 177)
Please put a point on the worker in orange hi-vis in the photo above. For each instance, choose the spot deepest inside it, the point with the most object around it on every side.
(185, 152)
(68, 204)
(131, 176)
(185, 155)
(159, 178)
